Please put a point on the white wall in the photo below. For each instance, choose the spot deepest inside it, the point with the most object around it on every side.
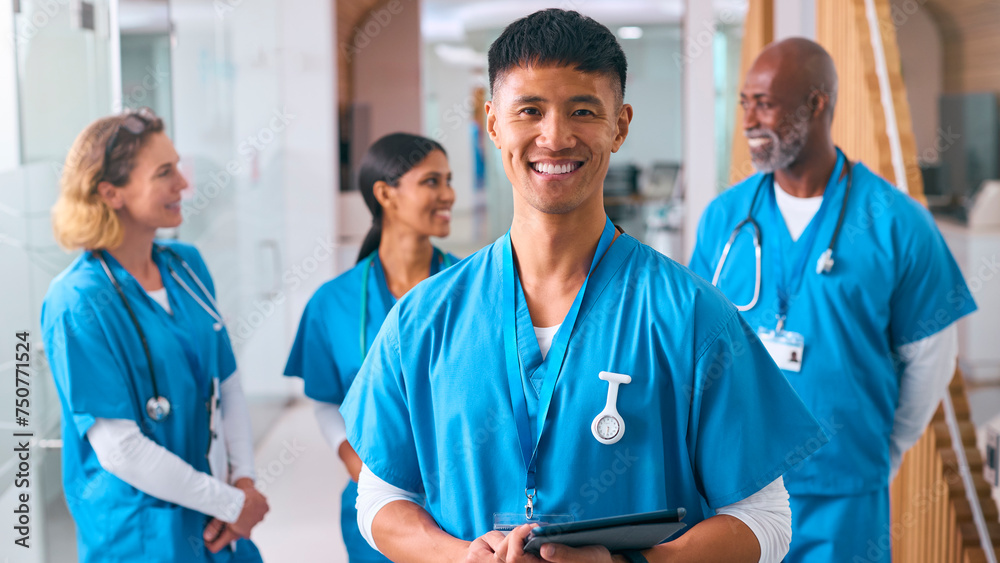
(699, 126)
(387, 68)
(10, 131)
(923, 72)
(654, 88)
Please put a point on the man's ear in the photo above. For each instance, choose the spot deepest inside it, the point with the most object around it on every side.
(819, 101)
(110, 194)
(624, 119)
(491, 123)
(384, 194)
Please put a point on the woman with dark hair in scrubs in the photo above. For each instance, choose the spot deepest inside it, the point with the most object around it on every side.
(406, 182)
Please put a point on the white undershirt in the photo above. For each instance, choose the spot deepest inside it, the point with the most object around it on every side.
(160, 296)
(126, 453)
(331, 424)
(929, 367)
(797, 211)
(544, 335)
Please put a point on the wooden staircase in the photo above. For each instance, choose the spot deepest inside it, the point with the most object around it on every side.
(932, 518)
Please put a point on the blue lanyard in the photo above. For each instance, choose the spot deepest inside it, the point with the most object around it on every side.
(438, 257)
(552, 364)
(787, 288)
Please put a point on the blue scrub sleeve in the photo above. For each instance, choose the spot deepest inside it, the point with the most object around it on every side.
(311, 357)
(91, 380)
(930, 293)
(747, 426)
(377, 416)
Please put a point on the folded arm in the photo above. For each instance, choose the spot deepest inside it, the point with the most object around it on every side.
(126, 453)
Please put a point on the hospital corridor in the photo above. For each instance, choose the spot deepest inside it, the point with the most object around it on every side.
(519, 281)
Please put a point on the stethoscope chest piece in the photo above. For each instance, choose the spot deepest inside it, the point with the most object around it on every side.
(158, 408)
(608, 427)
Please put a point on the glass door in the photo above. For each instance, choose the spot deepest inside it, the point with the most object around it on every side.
(62, 63)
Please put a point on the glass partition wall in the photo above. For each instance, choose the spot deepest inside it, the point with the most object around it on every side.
(214, 76)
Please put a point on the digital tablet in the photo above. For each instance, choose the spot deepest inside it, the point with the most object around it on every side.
(617, 533)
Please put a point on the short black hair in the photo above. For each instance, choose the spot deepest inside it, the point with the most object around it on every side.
(558, 37)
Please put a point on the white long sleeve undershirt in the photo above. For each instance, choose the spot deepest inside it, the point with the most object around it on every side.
(769, 516)
(929, 367)
(126, 453)
(766, 512)
(237, 430)
(331, 424)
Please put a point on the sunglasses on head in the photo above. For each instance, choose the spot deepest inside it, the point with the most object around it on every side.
(135, 122)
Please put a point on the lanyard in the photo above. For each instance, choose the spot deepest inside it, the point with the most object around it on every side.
(788, 287)
(552, 364)
(438, 257)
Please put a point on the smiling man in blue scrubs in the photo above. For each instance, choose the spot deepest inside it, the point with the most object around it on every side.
(488, 396)
(857, 300)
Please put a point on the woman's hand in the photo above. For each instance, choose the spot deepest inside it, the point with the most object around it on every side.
(218, 535)
(254, 508)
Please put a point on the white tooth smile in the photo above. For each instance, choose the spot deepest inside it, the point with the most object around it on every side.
(554, 169)
(758, 142)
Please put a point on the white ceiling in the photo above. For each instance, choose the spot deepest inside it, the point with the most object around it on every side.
(448, 20)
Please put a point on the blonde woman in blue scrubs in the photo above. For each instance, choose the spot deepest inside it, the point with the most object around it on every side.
(140, 353)
(406, 182)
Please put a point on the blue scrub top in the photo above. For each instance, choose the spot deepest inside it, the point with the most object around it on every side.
(709, 419)
(326, 353)
(100, 371)
(894, 282)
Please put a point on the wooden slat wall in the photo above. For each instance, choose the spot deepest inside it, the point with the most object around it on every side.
(969, 31)
(758, 31)
(904, 122)
(859, 126)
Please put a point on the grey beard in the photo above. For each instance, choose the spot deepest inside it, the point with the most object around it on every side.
(781, 153)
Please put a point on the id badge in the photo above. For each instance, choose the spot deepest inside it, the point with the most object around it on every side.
(505, 522)
(786, 348)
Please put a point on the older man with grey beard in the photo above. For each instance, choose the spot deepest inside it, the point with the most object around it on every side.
(854, 292)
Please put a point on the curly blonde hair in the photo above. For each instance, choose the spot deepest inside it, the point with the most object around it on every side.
(81, 218)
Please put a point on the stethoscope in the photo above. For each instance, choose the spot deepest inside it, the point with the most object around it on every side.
(823, 265)
(158, 406)
(446, 261)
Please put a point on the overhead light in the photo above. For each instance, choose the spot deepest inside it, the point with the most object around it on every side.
(630, 32)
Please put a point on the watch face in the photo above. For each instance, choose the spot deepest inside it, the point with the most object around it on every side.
(608, 427)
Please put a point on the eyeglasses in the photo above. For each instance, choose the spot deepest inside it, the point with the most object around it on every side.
(134, 122)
